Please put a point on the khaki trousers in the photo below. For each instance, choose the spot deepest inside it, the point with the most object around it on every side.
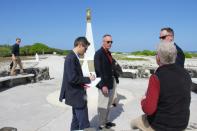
(104, 104)
(141, 123)
(115, 98)
(15, 62)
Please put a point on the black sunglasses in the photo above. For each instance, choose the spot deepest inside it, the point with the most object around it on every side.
(109, 42)
(163, 37)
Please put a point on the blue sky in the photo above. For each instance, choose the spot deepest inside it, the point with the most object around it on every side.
(134, 24)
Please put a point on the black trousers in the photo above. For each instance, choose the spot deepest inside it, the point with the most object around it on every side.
(80, 118)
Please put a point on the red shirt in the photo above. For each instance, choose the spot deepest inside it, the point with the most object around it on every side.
(108, 55)
(149, 104)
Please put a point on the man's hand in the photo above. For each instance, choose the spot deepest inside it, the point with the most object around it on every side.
(13, 57)
(143, 97)
(105, 90)
(86, 87)
(92, 77)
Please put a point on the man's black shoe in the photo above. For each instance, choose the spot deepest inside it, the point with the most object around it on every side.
(110, 124)
(100, 128)
(114, 104)
(104, 127)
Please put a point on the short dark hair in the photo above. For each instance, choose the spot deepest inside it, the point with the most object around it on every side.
(81, 40)
(169, 30)
(106, 35)
(18, 38)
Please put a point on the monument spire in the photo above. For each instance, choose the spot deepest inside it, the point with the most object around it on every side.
(88, 61)
(89, 55)
(88, 15)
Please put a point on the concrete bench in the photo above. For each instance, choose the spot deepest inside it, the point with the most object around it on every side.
(194, 85)
(9, 81)
(194, 80)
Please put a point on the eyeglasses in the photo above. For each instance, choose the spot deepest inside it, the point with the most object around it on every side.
(108, 42)
(86, 47)
(164, 37)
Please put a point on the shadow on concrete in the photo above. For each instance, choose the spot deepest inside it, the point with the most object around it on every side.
(4, 88)
(5, 85)
(113, 114)
(192, 126)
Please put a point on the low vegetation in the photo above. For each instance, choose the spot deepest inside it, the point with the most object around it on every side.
(144, 53)
(5, 50)
(40, 48)
(121, 56)
(153, 53)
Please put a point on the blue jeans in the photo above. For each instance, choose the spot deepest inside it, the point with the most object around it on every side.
(80, 118)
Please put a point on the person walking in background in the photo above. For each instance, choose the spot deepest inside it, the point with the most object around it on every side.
(73, 88)
(103, 69)
(166, 103)
(167, 34)
(15, 58)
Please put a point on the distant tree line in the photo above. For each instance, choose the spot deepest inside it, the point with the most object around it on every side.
(144, 53)
(40, 48)
(153, 53)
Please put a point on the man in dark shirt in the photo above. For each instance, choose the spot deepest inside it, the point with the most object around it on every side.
(15, 57)
(103, 68)
(167, 34)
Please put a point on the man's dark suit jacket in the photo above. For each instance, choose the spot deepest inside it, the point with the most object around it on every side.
(180, 58)
(103, 69)
(72, 89)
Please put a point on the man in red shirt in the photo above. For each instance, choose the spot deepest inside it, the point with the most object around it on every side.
(167, 100)
(103, 68)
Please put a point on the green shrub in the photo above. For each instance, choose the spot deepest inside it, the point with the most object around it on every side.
(5, 51)
(188, 55)
(118, 52)
(133, 59)
(194, 54)
(25, 50)
(144, 53)
(40, 49)
(66, 52)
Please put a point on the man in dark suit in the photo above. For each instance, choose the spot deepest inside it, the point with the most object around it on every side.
(167, 34)
(73, 88)
(103, 69)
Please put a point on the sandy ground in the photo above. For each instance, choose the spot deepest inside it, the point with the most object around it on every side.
(35, 107)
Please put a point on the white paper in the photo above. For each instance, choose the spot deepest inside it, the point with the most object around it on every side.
(94, 83)
(85, 69)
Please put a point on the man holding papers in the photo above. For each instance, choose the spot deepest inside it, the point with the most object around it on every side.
(73, 88)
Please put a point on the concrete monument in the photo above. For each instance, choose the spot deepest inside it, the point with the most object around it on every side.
(88, 60)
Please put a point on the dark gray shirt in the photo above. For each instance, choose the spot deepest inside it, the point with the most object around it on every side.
(15, 49)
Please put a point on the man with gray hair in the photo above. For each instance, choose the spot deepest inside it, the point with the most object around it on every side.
(103, 62)
(167, 100)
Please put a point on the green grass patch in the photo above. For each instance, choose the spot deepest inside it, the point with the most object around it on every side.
(133, 59)
(124, 57)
